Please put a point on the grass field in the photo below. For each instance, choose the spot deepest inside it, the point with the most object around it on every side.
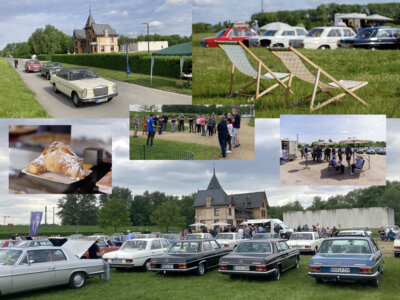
(161, 83)
(380, 68)
(17, 100)
(294, 284)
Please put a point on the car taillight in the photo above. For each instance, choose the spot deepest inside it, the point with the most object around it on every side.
(314, 269)
(105, 259)
(226, 245)
(307, 247)
(365, 270)
(261, 268)
(223, 267)
(301, 45)
(182, 266)
(153, 265)
(396, 247)
(129, 260)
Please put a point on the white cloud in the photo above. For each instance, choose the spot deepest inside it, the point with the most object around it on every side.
(207, 2)
(156, 23)
(124, 13)
(171, 3)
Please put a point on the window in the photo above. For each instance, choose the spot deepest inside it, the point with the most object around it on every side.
(288, 32)
(207, 246)
(347, 32)
(216, 211)
(111, 40)
(155, 245)
(102, 48)
(165, 244)
(63, 74)
(301, 31)
(263, 213)
(384, 34)
(39, 256)
(282, 246)
(208, 201)
(112, 48)
(214, 245)
(57, 255)
(230, 211)
(335, 33)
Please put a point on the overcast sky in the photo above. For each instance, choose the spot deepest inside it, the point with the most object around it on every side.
(19, 18)
(186, 177)
(335, 127)
(215, 11)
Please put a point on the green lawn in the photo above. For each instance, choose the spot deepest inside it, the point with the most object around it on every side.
(161, 83)
(171, 150)
(294, 284)
(17, 100)
(380, 68)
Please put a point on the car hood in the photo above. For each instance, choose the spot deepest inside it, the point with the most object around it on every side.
(91, 83)
(132, 253)
(247, 259)
(78, 247)
(342, 259)
(221, 242)
(300, 242)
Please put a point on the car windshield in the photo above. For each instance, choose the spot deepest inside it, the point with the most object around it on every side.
(9, 257)
(301, 236)
(270, 33)
(82, 74)
(53, 64)
(349, 246)
(33, 63)
(221, 33)
(30, 243)
(134, 244)
(254, 247)
(224, 236)
(259, 236)
(102, 244)
(283, 225)
(315, 32)
(365, 33)
(184, 247)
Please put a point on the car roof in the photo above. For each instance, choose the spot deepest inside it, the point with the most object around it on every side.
(349, 238)
(197, 240)
(146, 239)
(34, 248)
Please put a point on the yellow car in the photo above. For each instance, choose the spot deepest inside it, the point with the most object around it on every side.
(83, 85)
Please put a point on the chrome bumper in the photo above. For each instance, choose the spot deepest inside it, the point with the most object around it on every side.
(344, 275)
(247, 272)
(173, 270)
(94, 99)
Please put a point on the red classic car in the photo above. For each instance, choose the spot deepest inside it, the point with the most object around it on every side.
(229, 34)
(32, 65)
(7, 243)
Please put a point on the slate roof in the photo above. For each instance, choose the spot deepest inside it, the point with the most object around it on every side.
(100, 28)
(80, 34)
(90, 20)
(214, 183)
(254, 200)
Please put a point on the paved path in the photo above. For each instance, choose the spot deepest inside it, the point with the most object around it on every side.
(60, 106)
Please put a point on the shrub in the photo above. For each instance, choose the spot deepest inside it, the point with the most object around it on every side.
(42, 56)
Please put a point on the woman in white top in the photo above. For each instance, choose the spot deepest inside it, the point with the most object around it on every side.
(229, 138)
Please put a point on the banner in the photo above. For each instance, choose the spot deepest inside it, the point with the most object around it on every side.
(128, 69)
(36, 218)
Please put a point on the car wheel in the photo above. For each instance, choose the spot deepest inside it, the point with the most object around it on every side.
(396, 255)
(323, 47)
(55, 88)
(297, 264)
(109, 99)
(77, 280)
(374, 282)
(75, 100)
(277, 274)
(279, 45)
(48, 76)
(201, 269)
(146, 266)
(319, 280)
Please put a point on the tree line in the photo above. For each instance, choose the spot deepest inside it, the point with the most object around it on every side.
(172, 40)
(336, 145)
(204, 109)
(310, 18)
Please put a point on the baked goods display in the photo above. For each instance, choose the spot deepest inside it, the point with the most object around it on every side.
(57, 158)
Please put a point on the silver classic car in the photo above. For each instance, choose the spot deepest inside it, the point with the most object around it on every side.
(83, 85)
(23, 269)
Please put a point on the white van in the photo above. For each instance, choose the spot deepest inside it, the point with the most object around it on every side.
(269, 225)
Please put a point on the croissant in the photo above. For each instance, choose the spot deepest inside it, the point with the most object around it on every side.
(58, 158)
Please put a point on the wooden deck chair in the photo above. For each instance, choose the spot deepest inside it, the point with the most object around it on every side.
(293, 60)
(236, 52)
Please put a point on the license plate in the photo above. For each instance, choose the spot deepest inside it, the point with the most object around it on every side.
(340, 270)
(167, 266)
(241, 268)
(116, 260)
(101, 100)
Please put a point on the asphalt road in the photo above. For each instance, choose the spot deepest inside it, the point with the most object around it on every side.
(60, 106)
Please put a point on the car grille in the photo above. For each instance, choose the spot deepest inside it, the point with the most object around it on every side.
(100, 90)
(35, 68)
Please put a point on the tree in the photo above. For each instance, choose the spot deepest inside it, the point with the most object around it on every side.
(78, 209)
(167, 214)
(187, 209)
(114, 213)
(117, 192)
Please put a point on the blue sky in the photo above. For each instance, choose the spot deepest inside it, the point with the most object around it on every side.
(19, 18)
(215, 11)
(336, 127)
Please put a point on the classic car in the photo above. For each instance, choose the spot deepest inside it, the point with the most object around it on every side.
(104, 247)
(396, 246)
(277, 38)
(75, 236)
(136, 253)
(374, 38)
(171, 237)
(32, 65)
(189, 255)
(366, 229)
(353, 233)
(305, 241)
(228, 239)
(394, 228)
(322, 38)
(83, 85)
(32, 243)
(29, 268)
(347, 259)
(263, 236)
(370, 151)
(117, 239)
(230, 35)
(260, 257)
(7, 243)
(198, 236)
(50, 68)
(381, 151)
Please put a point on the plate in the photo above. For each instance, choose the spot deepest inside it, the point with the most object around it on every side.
(241, 268)
(57, 177)
(167, 266)
(340, 270)
(114, 260)
(101, 100)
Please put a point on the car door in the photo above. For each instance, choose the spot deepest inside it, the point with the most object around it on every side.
(36, 270)
(377, 254)
(218, 252)
(61, 266)
(287, 255)
(62, 82)
(332, 37)
(207, 253)
(385, 38)
(156, 248)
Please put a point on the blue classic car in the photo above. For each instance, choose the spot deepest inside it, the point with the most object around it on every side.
(347, 259)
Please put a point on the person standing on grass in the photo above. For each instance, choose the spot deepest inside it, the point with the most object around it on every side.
(236, 127)
(144, 131)
(215, 123)
(210, 126)
(16, 63)
(328, 154)
(203, 125)
(340, 153)
(135, 122)
(230, 133)
(95, 253)
(198, 126)
(161, 123)
(173, 123)
(222, 135)
(191, 119)
(349, 152)
(150, 129)
(165, 123)
(181, 126)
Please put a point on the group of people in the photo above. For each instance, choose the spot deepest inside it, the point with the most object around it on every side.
(390, 236)
(245, 231)
(322, 231)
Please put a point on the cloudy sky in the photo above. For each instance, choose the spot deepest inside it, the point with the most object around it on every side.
(215, 11)
(335, 127)
(186, 177)
(19, 18)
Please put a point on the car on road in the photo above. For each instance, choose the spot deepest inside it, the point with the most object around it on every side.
(360, 151)
(374, 38)
(260, 257)
(277, 38)
(396, 246)
(322, 38)
(347, 259)
(136, 253)
(31, 268)
(363, 228)
(189, 256)
(198, 236)
(233, 34)
(83, 85)
(228, 240)
(305, 241)
(381, 151)
(32, 65)
(50, 68)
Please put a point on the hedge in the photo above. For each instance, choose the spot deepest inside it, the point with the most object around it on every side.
(167, 66)
(42, 57)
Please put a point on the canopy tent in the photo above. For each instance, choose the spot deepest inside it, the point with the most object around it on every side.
(354, 141)
(197, 224)
(276, 26)
(181, 50)
(377, 17)
(221, 224)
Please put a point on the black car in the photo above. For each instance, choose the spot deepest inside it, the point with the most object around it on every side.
(260, 257)
(374, 38)
(189, 255)
(49, 68)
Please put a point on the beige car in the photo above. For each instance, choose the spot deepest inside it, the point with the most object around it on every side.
(83, 85)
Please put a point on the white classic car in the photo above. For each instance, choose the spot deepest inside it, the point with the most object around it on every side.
(353, 233)
(83, 85)
(305, 241)
(366, 229)
(228, 240)
(198, 236)
(277, 38)
(23, 269)
(136, 253)
(323, 38)
(396, 246)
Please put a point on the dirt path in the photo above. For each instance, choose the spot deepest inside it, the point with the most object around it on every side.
(246, 137)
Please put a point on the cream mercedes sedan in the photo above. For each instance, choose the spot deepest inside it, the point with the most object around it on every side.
(305, 241)
(83, 85)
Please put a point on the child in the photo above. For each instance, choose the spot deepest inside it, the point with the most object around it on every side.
(144, 131)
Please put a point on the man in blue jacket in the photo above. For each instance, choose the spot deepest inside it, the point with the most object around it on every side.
(222, 135)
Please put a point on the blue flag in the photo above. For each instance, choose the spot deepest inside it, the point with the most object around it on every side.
(36, 218)
(128, 69)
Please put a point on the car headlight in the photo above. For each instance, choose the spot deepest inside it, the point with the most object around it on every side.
(114, 88)
(84, 93)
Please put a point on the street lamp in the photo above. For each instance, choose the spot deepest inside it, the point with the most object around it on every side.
(148, 37)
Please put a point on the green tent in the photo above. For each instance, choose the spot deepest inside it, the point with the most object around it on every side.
(181, 50)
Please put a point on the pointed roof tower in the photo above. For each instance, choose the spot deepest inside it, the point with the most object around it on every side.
(214, 183)
(90, 19)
